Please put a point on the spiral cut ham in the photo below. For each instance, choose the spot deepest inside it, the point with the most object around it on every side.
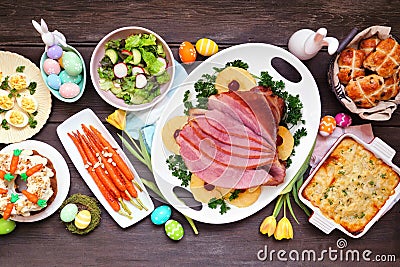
(232, 144)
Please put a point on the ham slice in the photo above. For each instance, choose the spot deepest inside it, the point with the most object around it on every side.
(216, 174)
(207, 148)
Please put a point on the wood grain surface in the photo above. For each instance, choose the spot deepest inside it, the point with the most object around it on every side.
(84, 23)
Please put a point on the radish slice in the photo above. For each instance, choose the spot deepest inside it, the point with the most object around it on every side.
(120, 70)
(141, 81)
(163, 67)
(126, 52)
(137, 70)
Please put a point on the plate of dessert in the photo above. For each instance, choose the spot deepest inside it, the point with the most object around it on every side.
(226, 140)
(35, 181)
(25, 101)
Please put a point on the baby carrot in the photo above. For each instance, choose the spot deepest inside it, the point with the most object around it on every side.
(79, 147)
(31, 197)
(32, 170)
(14, 160)
(3, 191)
(8, 210)
(115, 156)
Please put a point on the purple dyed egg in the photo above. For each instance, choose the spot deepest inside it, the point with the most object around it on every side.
(343, 120)
(69, 90)
(54, 52)
(50, 66)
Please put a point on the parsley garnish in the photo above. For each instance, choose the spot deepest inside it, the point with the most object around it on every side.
(299, 134)
(214, 203)
(235, 194)
(4, 84)
(4, 124)
(237, 63)
(32, 87)
(179, 169)
(32, 122)
(20, 69)
(187, 104)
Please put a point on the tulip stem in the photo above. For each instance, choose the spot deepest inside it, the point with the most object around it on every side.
(278, 206)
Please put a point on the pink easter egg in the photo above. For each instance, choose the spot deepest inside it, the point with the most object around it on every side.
(69, 90)
(327, 125)
(343, 120)
(50, 66)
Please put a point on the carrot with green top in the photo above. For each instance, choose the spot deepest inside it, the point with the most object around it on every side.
(34, 199)
(15, 160)
(8, 210)
(100, 172)
(115, 156)
(34, 169)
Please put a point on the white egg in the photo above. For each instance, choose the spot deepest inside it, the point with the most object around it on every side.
(16, 118)
(18, 81)
(28, 103)
(6, 103)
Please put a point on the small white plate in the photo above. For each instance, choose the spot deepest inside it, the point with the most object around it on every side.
(88, 117)
(62, 176)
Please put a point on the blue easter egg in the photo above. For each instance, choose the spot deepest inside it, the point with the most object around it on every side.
(161, 214)
(66, 78)
(54, 81)
(54, 52)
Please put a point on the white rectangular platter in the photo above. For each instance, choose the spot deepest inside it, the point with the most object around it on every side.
(88, 117)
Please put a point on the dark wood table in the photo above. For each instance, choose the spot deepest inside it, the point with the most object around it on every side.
(84, 23)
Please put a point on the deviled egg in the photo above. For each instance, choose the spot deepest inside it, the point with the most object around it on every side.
(28, 103)
(18, 81)
(6, 103)
(16, 118)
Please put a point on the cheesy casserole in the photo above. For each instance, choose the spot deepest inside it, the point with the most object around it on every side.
(351, 186)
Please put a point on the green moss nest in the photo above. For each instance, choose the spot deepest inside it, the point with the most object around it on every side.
(84, 203)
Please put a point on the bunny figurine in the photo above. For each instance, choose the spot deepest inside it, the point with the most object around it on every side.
(49, 38)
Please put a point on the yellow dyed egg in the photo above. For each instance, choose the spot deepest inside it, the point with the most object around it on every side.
(327, 125)
(206, 47)
(82, 219)
(187, 52)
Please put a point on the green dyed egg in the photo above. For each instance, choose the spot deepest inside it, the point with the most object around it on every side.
(68, 213)
(6, 226)
(174, 230)
(72, 63)
(66, 78)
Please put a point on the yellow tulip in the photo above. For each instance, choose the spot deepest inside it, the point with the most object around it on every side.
(268, 226)
(117, 119)
(284, 229)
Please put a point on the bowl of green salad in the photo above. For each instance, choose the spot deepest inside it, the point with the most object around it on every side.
(132, 68)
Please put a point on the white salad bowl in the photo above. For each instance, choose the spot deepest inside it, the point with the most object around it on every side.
(98, 54)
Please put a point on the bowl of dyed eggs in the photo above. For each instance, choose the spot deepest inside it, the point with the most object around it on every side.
(125, 56)
(64, 72)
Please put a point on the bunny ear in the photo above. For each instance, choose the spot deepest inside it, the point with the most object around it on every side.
(37, 26)
(44, 26)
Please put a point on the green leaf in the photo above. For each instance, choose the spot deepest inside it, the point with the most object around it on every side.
(133, 151)
(290, 207)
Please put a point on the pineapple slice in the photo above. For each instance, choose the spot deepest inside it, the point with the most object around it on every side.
(234, 79)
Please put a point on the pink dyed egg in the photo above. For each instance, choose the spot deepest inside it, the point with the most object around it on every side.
(69, 90)
(327, 125)
(50, 66)
(343, 120)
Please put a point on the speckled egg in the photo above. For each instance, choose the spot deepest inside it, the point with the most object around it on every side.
(50, 66)
(6, 226)
(66, 78)
(174, 230)
(327, 125)
(187, 52)
(69, 90)
(161, 214)
(343, 120)
(69, 212)
(72, 63)
(54, 81)
(206, 47)
(82, 219)
(54, 52)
